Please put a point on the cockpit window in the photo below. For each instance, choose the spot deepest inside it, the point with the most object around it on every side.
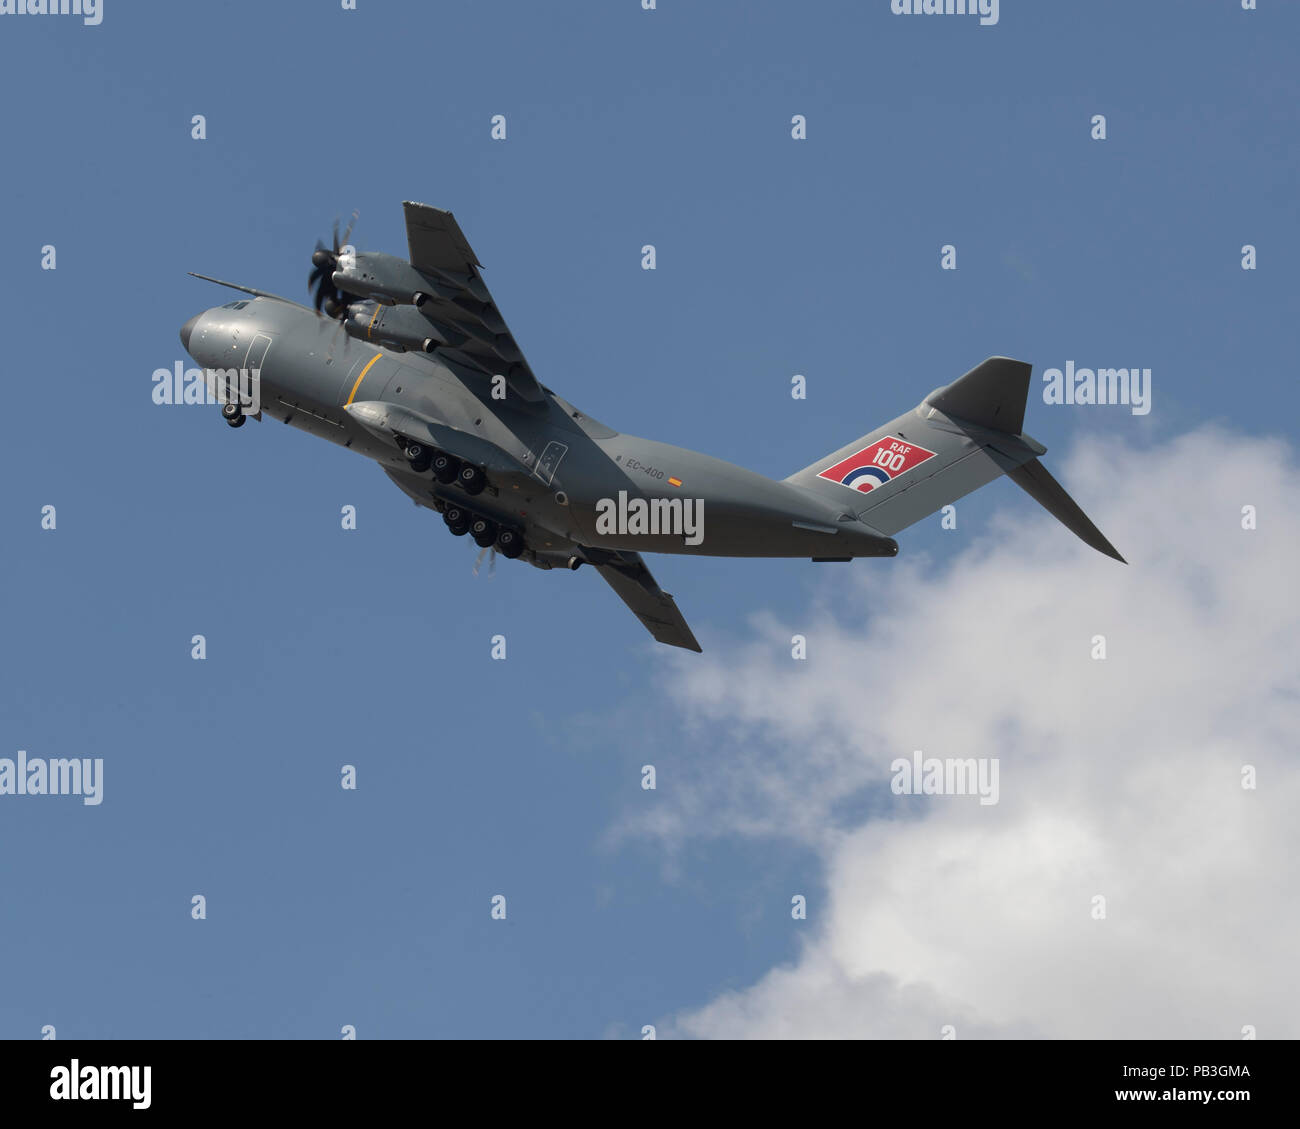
(235, 305)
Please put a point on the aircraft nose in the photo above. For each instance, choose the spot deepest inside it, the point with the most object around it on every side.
(187, 329)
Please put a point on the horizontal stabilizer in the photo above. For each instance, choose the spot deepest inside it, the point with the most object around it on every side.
(1033, 478)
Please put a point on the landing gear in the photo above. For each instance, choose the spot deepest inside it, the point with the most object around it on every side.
(419, 456)
(445, 468)
(510, 543)
(457, 520)
(233, 414)
(472, 480)
(487, 534)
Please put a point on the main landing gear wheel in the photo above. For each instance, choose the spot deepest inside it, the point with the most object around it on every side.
(457, 520)
(419, 456)
(233, 414)
(471, 479)
(445, 468)
(510, 543)
(483, 531)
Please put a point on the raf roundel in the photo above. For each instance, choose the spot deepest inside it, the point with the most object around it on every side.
(874, 465)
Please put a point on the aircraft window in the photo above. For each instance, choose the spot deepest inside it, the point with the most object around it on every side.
(235, 305)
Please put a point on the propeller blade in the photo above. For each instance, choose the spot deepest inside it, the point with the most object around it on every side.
(492, 560)
(327, 296)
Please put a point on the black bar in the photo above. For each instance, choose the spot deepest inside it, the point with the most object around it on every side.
(813, 1080)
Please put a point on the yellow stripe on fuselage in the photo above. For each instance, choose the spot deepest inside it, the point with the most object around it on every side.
(362, 377)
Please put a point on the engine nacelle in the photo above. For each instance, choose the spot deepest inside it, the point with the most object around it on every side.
(384, 278)
(553, 558)
(397, 327)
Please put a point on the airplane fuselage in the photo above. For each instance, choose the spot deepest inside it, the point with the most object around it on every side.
(553, 472)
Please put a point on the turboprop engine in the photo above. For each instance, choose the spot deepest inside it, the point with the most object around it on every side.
(397, 327)
(385, 278)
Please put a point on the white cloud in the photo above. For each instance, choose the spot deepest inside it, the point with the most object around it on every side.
(1119, 777)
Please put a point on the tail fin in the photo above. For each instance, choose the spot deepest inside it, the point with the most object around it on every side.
(992, 395)
(956, 440)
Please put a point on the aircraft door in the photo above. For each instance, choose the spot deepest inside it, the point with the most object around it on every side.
(549, 462)
(254, 360)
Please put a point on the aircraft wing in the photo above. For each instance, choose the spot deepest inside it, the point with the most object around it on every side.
(625, 572)
(461, 302)
(631, 580)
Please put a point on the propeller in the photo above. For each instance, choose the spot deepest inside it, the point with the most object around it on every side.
(492, 561)
(324, 262)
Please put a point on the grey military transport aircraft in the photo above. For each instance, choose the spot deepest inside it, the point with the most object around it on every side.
(436, 391)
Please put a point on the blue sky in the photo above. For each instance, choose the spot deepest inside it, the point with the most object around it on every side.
(372, 648)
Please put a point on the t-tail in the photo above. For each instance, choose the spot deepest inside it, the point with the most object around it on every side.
(958, 438)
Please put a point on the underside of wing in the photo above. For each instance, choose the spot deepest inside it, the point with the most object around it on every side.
(460, 304)
(625, 572)
(631, 580)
